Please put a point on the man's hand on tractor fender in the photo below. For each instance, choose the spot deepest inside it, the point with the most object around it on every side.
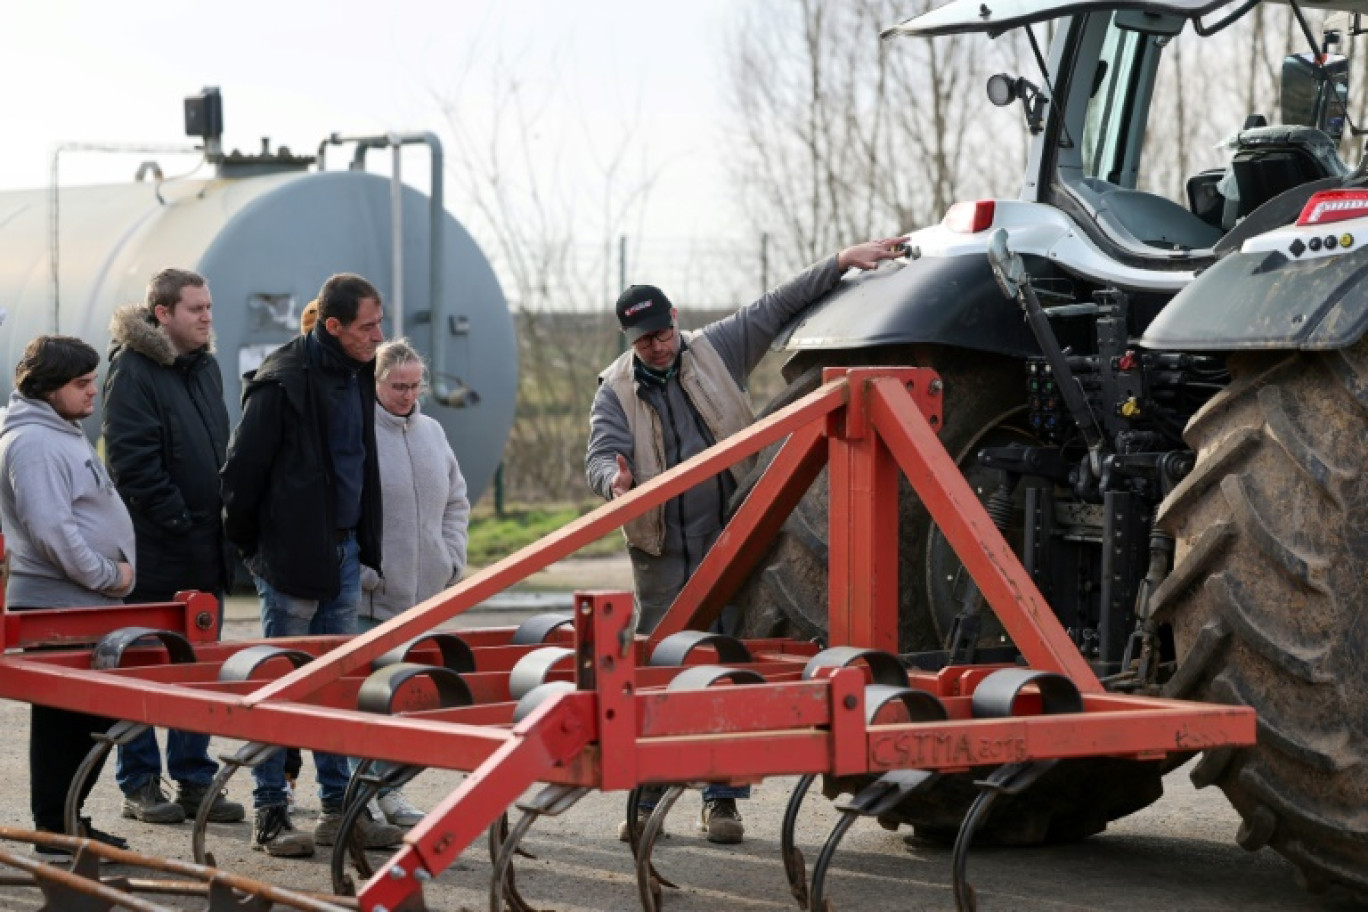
(869, 254)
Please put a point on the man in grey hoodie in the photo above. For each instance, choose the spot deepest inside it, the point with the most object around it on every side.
(70, 542)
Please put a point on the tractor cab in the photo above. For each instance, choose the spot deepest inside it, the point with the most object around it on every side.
(1094, 114)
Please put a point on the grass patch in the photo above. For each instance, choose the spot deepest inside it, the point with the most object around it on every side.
(493, 537)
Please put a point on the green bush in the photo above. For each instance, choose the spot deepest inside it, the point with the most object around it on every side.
(492, 537)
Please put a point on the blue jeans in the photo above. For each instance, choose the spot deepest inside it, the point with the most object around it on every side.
(187, 753)
(187, 760)
(650, 794)
(284, 615)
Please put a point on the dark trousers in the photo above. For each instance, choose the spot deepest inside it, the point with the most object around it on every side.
(58, 741)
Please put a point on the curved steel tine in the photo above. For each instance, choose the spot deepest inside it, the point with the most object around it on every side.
(118, 733)
(502, 876)
(633, 812)
(649, 880)
(551, 801)
(966, 900)
(498, 832)
(795, 868)
(819, 870)
(348, 840)
(250, 754)
(1008, 779)
(354, 781)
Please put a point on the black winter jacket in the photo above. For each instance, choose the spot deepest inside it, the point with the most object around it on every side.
(279, 497)
(166, 431)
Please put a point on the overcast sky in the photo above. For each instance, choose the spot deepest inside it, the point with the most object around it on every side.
(295, 71)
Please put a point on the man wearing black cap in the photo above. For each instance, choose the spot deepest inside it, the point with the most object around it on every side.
(668, 398)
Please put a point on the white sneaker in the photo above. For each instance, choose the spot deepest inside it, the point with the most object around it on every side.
(398, 810)
(290, 803)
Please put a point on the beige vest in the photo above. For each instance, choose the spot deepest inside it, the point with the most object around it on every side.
(724, 407)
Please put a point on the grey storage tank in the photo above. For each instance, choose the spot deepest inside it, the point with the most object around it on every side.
(266, 231)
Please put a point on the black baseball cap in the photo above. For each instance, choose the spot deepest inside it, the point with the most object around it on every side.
(643, 309)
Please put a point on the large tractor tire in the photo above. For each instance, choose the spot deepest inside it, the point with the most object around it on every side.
(787, 596)
(1266, 602)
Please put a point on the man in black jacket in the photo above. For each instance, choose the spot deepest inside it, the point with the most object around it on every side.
(301, 502)
(166, 430)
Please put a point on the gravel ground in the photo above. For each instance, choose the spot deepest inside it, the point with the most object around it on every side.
(1178, 854)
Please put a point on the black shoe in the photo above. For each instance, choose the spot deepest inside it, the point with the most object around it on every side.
(149, 804)
(57, 854)
(109, 839)
(190, 795)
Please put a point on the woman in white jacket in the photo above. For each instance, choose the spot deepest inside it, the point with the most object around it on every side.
(426, 510)
(424, 493)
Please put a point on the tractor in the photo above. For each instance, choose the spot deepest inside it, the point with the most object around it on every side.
(1163, 406)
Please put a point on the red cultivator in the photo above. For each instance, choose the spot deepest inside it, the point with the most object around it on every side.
(583, 704)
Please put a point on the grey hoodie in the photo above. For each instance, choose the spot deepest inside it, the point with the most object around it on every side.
(66, 528)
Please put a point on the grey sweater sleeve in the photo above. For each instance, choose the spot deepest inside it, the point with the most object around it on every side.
(743, 338)
(609, 436)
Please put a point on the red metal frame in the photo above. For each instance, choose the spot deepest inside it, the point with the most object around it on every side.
(620, 727)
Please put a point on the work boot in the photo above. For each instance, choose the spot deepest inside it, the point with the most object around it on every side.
(399, 811)
(149, 804)
(190, 795)
(374, 834)
(721, 821)
(275, 835)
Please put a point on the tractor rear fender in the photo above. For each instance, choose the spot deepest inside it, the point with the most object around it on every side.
(949, 300)
(944, 293)
(1275, 293)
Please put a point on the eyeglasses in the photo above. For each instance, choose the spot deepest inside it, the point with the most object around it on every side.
(664, 337)
(402, 388)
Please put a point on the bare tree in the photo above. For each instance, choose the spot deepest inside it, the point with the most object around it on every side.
(551, 232)
(836, 135)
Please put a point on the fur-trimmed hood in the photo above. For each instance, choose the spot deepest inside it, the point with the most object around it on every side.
(133, 326)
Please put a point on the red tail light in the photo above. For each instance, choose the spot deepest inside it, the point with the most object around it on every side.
(1334, 206)
(970, 218)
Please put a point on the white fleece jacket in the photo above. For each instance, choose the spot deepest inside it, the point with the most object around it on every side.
(426, 514)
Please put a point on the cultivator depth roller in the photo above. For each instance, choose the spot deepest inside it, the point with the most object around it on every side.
(583, 703)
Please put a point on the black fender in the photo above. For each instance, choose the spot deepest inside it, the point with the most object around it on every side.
(1270, 299)
(946, 300)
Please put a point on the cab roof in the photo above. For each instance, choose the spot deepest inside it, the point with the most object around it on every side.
(959, 16)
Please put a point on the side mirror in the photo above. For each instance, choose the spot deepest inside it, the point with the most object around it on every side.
(1316, 96)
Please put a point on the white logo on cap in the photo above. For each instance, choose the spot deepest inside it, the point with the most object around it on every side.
(640, 305)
